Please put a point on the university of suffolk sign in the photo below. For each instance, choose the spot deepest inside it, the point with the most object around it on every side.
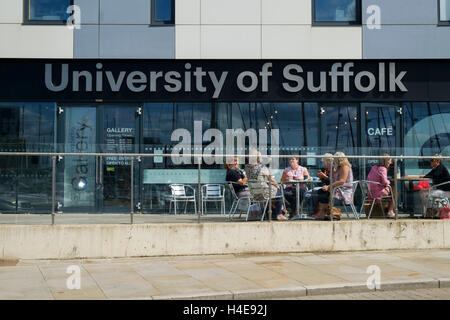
(224, 80)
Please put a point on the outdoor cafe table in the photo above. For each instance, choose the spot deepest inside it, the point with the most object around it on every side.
(299, 206)
(411, 180)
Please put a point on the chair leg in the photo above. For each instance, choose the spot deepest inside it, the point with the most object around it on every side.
(175, 206)
(264, 211)
(231, 210)
(371, 207)
(355, 213)
(170, 205)
(248, 210)
(382, 209)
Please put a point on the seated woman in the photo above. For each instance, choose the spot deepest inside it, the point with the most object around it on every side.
(235, 175)
(439, 174)
(294, 172)
(378, 173)
(342, 174)
(256, 171)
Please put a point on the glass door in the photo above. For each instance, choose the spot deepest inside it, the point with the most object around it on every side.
(120, 135)
(97, 184)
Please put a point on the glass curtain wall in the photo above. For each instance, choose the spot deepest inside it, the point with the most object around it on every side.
(25, 182)
(426, 132)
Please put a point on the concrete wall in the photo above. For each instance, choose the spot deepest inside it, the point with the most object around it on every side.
(107, 241)
(409, 30)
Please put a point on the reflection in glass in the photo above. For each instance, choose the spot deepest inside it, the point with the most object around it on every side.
(444, 10)
(341, 128)
(48, 9)
(380, 128)
(335, 10)
(25, 182)
(163, 10)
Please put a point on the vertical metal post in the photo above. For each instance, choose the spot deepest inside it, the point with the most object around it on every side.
(270, 198)
(331, 189)
(53, 188)
(199, 204)
(394, 192)
(132, 190)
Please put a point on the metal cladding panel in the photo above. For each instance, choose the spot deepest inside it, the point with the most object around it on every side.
(407, 42)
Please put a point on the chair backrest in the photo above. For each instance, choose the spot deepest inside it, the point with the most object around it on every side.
(233, 193)
(353, 185)
(212, 190)
(365, 188)
(178, 190)
(257, 189)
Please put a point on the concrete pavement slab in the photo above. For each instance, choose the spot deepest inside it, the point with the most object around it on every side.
(221, 279)
(119, 281)
(23, 283)
(179, 284)
(56, 279)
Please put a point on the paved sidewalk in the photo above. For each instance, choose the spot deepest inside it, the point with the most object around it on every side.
(225, 276)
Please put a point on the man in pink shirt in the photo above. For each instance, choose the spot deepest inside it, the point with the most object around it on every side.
(294, 172)
(378, 173)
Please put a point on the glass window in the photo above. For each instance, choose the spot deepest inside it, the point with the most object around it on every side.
(162, 12)
(336, 11)
(25, 182)
(427, 132)
(444, 10)
(47, 10)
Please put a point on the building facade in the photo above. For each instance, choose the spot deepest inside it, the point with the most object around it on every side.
(357, 76)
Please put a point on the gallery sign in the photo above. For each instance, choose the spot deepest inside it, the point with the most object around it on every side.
(223, 80)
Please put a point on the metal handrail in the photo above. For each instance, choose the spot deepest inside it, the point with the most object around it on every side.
(56, 156)
(197, 155)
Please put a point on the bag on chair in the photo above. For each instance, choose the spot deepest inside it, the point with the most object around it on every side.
(336, 213)
(444, 212)
(254, 212)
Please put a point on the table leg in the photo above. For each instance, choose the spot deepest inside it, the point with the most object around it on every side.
(299, 210)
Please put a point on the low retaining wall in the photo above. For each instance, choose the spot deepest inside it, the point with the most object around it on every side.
(165, 239)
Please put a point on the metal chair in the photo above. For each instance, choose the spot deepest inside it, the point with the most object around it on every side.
(181, 193)
(367, 196)
(236, 201)
(435, 201)
(213, 193)
(257, 190)
(339, 190)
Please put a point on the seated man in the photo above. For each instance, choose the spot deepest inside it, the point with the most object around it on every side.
(439, 174)
(294, 172)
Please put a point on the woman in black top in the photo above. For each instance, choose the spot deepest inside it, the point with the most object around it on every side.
(235, 175)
